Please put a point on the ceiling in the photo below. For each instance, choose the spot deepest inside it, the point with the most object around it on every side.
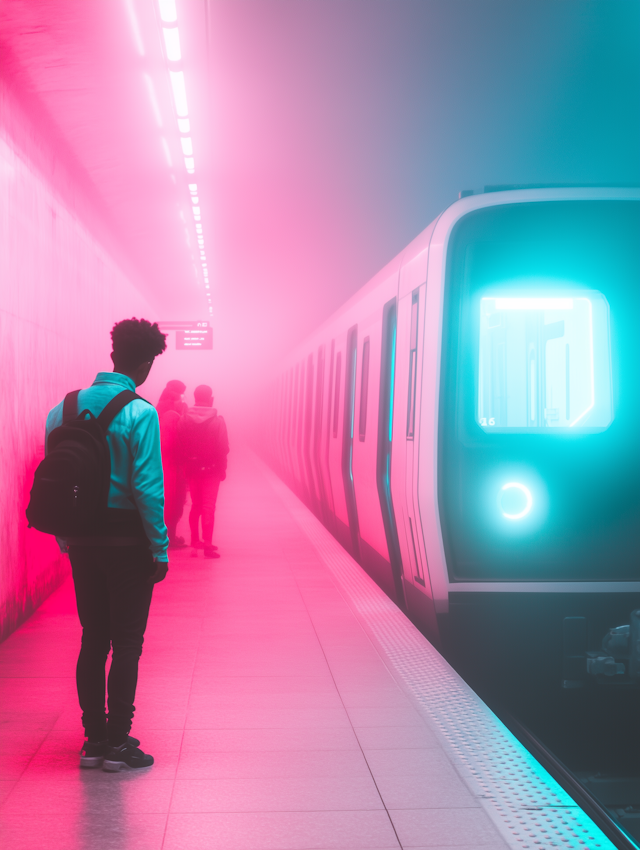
(326, 133)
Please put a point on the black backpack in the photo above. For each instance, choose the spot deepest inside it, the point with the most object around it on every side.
(71, 485)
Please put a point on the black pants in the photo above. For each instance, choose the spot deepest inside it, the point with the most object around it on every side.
(113, 594)
(204, 488)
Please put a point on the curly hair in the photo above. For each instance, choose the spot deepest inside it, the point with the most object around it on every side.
(136, 341)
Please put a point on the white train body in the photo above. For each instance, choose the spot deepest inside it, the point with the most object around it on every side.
(446, 479)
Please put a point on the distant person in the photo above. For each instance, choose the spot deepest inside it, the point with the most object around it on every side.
(167, 397)
(170, 407)
(204, 445)
(117, 563)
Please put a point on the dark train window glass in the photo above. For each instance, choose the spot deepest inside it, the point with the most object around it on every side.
(413, 366)
(544, 361)
(364, 390)
(336, 394)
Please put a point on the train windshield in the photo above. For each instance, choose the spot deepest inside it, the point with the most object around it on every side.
(538, 449)
(544, 361)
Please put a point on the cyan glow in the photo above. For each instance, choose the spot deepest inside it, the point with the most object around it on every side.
(514, 485)
(393, 380)
(593, 391)
(353, 404)
(534, 303)
(544, 362)
(172, 43)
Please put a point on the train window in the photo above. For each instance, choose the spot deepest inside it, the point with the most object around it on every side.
(544, 362)
(364, 390)
(336, 395)
(413, 366)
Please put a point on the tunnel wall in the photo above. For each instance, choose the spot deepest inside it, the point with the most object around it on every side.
(60, 293)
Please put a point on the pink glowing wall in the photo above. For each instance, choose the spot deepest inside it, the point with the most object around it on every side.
(60, 293)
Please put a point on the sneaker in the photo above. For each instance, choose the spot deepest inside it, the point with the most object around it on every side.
(125, 757)
(210, 552)
(177, 543)
(92, 754)
(199, 544)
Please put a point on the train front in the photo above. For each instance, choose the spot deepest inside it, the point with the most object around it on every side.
(537, 453)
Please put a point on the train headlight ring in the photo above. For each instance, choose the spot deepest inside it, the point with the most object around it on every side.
(515, 500)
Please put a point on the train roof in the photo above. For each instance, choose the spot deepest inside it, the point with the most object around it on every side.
(412, 260)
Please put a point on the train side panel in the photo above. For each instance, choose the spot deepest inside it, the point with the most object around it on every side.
(406, 433)
(374, 547)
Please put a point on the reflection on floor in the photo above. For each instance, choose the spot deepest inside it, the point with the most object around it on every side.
(274, 722)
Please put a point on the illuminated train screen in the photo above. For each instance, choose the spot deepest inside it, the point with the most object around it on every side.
(539, 430)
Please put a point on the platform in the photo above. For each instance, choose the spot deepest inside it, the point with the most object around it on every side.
(289, 706)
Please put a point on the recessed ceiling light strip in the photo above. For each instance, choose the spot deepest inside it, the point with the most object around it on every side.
(174, 56)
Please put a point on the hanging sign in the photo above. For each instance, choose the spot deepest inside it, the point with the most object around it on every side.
(190, 336)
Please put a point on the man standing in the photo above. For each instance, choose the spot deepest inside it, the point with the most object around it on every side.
(204, 444)
(114, 571)
(170, 408)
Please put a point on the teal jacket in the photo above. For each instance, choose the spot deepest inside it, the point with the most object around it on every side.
(136, 464)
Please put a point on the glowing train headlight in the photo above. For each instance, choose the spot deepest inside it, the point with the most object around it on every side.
(514, 500)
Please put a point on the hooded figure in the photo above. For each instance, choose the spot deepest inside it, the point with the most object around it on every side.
(170, 407)
(204, 445)
(170, 394)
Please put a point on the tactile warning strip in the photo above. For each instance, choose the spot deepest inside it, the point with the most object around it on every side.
(526, 804)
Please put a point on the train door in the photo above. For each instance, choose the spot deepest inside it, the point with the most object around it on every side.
(419, 571)
(325, 447)
(341, 518)
(385, 442)
(302, 484)
(293, 442)
(289, 426)
(418, 594)
(351, 355)
(318, 444)
(307, 439)
(278, 421)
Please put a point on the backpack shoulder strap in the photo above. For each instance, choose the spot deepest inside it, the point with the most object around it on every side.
(70, 407)
(114, 407)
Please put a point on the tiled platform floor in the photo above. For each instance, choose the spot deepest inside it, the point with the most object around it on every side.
(274, 721)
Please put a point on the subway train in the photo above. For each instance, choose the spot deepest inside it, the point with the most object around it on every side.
(467, 425)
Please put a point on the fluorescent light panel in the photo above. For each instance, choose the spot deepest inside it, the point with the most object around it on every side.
(172, 43)
(168, 11)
